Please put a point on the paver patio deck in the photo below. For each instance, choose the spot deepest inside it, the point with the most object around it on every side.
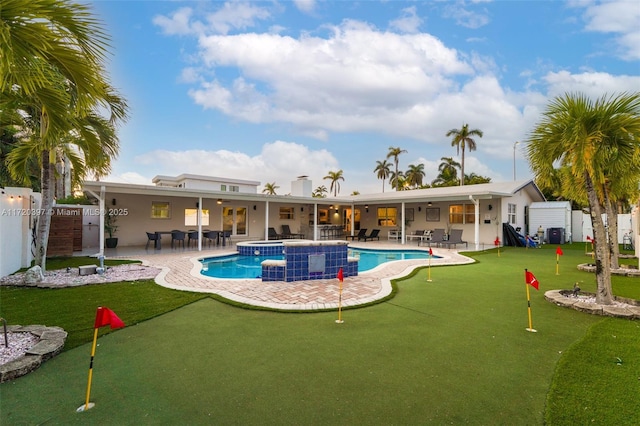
(181, 271)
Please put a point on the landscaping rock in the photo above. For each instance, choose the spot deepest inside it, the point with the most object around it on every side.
(33, 276)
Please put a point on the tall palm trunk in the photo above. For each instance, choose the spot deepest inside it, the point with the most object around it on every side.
(612, 232)
(603, 266)
(46, 208)
(462, 167)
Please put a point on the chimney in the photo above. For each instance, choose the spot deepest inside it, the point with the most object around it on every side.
(301, 187)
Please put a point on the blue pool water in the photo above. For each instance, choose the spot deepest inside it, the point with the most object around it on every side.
(236, 266)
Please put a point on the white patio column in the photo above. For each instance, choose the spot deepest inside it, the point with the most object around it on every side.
(403, 237)
(476, 236)
(199, 223)
(266, 220)
(315, 221)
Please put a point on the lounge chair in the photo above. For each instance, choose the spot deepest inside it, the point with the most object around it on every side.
(437, 235)
(273, 235)
(360, 235)
(286, 233)
(372, 236)
(455, 238)
(416, 235)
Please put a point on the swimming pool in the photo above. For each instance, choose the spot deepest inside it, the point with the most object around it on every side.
(238, 266)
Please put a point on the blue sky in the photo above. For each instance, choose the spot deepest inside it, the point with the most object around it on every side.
(272, 90)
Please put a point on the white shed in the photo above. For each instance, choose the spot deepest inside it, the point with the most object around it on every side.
(554, 217)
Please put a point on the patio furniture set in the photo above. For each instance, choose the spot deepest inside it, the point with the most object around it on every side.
(438, 237)
(178, 238)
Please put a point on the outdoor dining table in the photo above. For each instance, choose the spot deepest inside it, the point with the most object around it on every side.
(157, 243)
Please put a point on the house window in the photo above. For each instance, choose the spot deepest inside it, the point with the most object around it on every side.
(512, 213)
(160, 210)
(387, 216)
(229, 188)
(286, 212)
(462, 213)
(191, 217)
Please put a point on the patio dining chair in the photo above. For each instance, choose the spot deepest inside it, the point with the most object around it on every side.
(193, 236)
(177, 237)
(152, 236)
(211, 236)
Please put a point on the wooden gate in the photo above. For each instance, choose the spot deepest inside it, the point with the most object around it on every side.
(65, 233)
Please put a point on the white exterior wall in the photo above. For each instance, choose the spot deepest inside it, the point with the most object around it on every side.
(552, 214)
(15, 228)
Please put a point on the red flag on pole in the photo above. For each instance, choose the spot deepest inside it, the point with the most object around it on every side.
(340, 275)
(559, 251)
(531, 280)
(589, 238)
(105, 316)
(430, 252)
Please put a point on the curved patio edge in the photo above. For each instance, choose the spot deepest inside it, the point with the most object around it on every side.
(310, 295)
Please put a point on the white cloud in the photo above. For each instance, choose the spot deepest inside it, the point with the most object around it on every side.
(361, 79)
(408, 23)
(129, 177)
(464, 17)
(235, 15)
(279, 162)
(594, 84)
(306, 6)
(620, 17)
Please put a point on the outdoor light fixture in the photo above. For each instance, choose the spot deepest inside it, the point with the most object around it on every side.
(419, 208)
(330, 207)
(113, 202)
(366, 207)
(429, 204)
(219, 201)
(255, 207)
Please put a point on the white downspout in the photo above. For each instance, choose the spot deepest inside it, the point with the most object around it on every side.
(476, 236)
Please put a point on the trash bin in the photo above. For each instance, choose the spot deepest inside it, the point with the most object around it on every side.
(555, 235)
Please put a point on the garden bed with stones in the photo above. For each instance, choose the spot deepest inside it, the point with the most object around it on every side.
(586, 302)
(29, 346)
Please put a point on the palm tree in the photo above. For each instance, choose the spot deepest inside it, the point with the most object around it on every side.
(448, 173)
(395, 153)
(320, 192)
(462, 138)
(335, 177)
(398, 180)
(53, 75)
(474, 179)
(596, 147)
(415, 175)
(270, 188)
(383, 171)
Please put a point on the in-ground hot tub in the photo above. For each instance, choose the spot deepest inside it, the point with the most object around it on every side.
(260, 248)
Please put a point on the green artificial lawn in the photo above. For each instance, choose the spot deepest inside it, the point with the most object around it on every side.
(454, 351)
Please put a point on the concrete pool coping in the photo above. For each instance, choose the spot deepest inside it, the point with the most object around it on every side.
(182, 272)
